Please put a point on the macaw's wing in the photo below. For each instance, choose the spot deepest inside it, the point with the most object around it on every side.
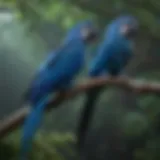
(99, 64)
(50, 61)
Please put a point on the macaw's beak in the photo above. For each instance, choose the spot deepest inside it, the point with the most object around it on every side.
(90, 34)
(131, 31)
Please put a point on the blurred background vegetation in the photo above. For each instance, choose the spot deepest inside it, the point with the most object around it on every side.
(127, 128)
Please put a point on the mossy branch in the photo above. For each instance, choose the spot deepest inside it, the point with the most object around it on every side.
(140, 86)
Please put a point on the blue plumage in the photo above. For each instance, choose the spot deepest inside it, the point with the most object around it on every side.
(116, 49)
(55, 73)
(113, 55)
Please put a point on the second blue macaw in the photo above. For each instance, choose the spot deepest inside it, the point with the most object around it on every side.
(55, 74)
(114, 53)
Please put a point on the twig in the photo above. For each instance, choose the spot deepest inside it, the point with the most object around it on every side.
(141, 86)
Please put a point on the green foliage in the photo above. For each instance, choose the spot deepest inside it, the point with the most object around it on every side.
(150, 102)
(135, 124)
(47, 146)
(59, 12)
(66, 14)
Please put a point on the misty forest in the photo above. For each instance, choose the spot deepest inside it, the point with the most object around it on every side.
(126, 121)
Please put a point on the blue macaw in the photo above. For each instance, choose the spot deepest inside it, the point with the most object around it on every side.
(114, 53)
(56, 73)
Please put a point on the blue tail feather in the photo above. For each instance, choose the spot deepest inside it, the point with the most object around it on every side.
(31, 125)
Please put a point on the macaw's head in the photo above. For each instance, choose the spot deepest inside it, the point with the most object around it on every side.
(128, 26)
(85, 31)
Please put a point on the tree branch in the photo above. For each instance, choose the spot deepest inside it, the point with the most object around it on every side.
(140, 86)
